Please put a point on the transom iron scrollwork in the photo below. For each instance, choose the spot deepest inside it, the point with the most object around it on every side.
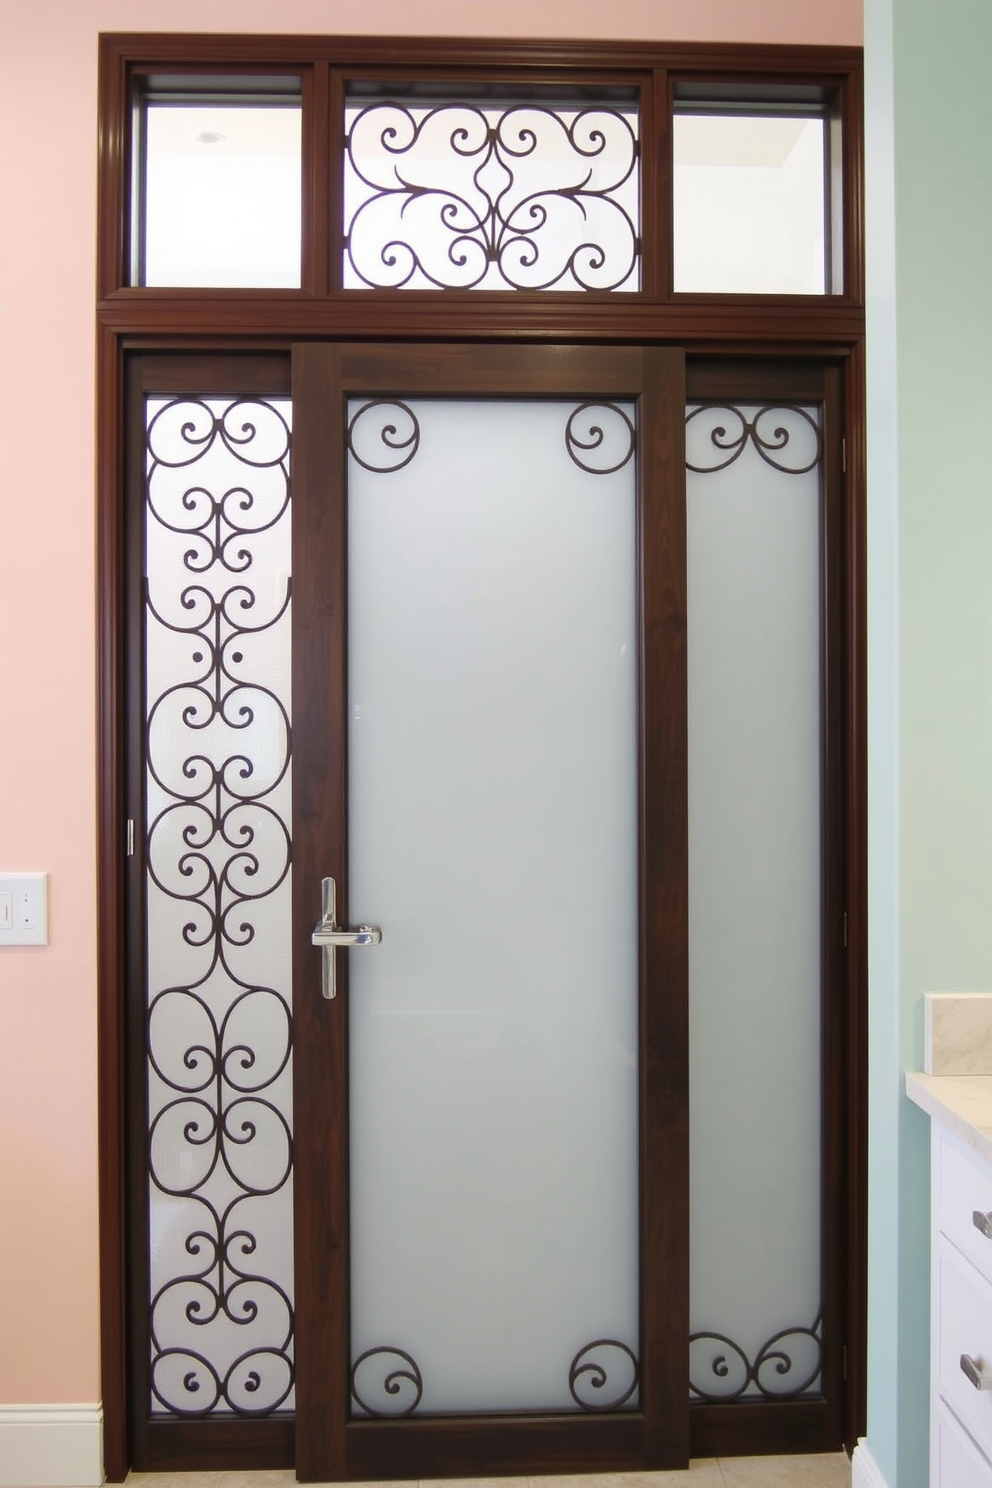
(786, 1366)
(785, 435)
(464, 196)
(217, 852)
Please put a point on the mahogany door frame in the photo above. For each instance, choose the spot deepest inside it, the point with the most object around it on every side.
(716, 331)
(657, 1434)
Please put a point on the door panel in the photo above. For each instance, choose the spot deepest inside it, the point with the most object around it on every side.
(492, 826)
(555, 899)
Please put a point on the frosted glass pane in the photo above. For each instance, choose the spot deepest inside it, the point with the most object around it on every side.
(217, 790)
(492, 670)
(222, 195)
(749, 204)
(754, 896)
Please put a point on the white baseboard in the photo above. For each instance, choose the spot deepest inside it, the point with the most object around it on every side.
(46, 1446)
(865, 1471)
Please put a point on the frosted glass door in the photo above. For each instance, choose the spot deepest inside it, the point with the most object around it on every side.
(492, 706)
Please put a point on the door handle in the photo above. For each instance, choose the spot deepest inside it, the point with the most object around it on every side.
(328, 934)
(982, 1222)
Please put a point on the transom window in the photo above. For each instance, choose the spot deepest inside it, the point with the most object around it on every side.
(658, 183)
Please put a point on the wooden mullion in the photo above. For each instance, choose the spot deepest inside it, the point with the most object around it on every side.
(287, 315)
(335, 175)
(315, 165)
(112, 1084)
(833, 974)
(663, 1063)
(855, 539)
(773, 61)
(759, 1428)
(320, 1082)
(224, 1444)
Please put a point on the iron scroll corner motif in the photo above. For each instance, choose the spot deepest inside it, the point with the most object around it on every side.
(776, 1372)
(606, 1366)
(785, 435)
(387, 1383)
(599, 438)
(383, 435)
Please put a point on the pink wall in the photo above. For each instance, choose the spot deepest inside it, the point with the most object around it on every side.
(49, 1345)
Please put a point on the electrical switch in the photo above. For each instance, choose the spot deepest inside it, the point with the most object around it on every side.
(23, 909)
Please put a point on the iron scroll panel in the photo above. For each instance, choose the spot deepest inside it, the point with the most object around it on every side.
(217, 850)
(471, 195)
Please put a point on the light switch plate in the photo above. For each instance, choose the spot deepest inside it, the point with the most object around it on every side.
(23, 909)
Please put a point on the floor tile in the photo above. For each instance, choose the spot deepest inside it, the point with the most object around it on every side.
(268, 1479)
(175, 1480)
(460, 1483)
(701, 1473)
(830, 1471)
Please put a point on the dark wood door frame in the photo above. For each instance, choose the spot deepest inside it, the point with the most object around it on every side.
(716, 331)
(656, 1435)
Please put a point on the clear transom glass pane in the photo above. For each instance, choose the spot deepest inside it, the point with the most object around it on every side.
(750, 194)
(221, 203)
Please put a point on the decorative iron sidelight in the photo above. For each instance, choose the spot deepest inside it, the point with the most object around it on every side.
(217, 853)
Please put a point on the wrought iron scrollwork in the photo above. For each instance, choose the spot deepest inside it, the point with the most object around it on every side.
(786, 436)
(786, 1366)
(460, 196)
(383, 435)
(607, 1366)
(599, 438)
(387, 1372)
(217, 855)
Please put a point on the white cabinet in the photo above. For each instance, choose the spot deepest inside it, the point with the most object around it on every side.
(961, 1323)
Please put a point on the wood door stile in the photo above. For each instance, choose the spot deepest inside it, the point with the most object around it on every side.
(329, 1444)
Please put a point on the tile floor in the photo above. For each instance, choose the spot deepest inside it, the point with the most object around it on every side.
(831, 1471)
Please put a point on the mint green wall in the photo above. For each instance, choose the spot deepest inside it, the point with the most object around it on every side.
(929, 229)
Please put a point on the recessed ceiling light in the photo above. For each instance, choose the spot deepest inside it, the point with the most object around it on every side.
(209, 137)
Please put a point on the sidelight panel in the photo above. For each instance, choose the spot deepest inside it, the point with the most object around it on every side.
(753, 488)
(217, 855)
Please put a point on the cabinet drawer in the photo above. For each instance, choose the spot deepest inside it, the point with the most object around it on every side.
(964, 1187)
(957, 1462)
(964, 1324)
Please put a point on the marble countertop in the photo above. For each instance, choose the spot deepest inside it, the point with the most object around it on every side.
(962, 1103)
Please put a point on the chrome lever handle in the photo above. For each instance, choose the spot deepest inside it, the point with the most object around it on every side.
(982, 1223)
(974, 1373)
(361, 935)
(328, 935)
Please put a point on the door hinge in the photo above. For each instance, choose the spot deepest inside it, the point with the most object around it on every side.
(845, 929)
(130, 837)
(843, 456)
(845, 1363)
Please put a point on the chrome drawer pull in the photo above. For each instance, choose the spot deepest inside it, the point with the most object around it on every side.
(974, 1373)
(982, 1222)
